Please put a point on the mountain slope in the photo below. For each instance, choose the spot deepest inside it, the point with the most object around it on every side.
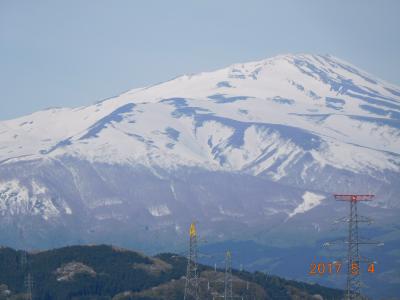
(304, 120)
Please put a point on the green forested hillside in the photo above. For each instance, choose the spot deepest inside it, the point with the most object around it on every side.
(106, 272)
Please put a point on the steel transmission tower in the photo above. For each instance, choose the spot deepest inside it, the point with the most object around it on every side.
(228, 292)
(192, 288)
(353, 285)
(29, 286)
(28, 281)
(25, 265)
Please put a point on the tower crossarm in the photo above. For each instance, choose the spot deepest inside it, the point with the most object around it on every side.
(354, 197)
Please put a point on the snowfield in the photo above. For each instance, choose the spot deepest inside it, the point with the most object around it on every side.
(245, 118)
(271, 138)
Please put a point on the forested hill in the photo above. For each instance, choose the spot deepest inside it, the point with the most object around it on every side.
(106, 272)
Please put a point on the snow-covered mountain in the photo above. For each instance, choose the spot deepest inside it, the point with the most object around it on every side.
(252, 143)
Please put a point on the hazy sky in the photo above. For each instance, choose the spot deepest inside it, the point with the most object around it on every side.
(71, 53)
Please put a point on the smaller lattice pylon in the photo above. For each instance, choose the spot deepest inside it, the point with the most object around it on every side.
(29, 286)
(228, 284)
(228, 281)
(192, 287)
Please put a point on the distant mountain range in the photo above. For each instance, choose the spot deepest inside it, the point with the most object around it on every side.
(252, 151)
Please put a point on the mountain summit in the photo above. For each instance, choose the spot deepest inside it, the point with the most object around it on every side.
(235, 118)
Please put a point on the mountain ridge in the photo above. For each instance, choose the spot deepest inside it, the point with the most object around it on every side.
(107, 272)
(129, 98)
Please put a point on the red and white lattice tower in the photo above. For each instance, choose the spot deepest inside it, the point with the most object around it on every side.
(353, 288)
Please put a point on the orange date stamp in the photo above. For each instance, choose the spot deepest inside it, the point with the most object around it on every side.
(328, 268)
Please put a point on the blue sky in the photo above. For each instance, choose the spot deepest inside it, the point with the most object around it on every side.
(71, 53)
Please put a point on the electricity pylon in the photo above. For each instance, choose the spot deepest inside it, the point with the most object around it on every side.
(228, 291)
(228, 281)
(192, 288)
(25, 265)
(353, 283)
(29, 286)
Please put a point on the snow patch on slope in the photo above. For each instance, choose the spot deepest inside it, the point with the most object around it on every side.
(159, 210)
(15, 199)
(310, 200)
